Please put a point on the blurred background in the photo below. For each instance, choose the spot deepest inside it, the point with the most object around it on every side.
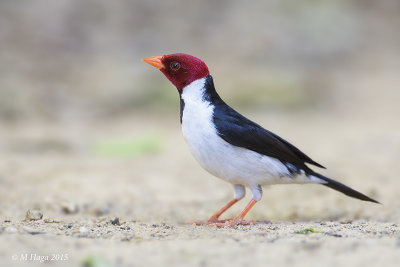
(85, 123)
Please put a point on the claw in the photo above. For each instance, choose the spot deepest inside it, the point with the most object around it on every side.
(224, 223)
(215, 222)
(233, 223)
(210, 222)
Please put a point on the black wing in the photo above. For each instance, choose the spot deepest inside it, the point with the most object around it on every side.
(242, 132)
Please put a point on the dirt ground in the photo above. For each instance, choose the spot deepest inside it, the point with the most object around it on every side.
(110, 208)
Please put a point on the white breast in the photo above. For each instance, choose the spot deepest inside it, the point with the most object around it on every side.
(233, 164)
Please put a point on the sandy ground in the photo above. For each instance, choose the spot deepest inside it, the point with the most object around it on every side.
(103, 210)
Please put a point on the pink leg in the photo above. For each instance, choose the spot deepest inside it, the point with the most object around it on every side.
(214, 218)
(239, 219)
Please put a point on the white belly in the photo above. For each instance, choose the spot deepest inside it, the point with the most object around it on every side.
(233, 164)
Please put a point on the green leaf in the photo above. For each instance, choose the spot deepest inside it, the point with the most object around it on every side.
(307, 231)
(94, 261)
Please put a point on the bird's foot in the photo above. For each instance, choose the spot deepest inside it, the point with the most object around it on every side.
(224, 223)
(210, 221)
(232, 223)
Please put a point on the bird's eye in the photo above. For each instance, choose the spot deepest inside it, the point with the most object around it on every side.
(175, 66)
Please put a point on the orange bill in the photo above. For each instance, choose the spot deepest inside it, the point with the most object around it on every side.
(154, 61)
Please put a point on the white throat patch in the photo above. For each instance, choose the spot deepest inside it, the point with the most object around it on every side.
(194, 91)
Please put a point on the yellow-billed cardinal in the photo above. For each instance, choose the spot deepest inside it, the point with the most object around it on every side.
(230, 146)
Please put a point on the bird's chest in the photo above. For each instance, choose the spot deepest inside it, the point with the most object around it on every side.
(198, 129)
(200, 134)
(231, 163)
(228, 162)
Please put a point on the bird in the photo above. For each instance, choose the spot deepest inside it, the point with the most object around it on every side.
(232, 147)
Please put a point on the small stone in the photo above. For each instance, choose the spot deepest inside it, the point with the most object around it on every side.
(115, 221)
(333, 234)
(27, 229)
(83, 230)
(49, 220)
(69, 207)
(33, 215)
(32, 231)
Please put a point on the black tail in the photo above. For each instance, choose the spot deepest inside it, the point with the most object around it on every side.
(343, 188)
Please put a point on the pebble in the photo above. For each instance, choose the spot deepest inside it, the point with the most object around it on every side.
(33, 215)
(69, 207)
(83, 230)
(333, 234)
(49, 220)
(115, 221)
(31, 231)
(27, 229)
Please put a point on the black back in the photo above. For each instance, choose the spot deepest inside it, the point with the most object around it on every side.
(242, 132)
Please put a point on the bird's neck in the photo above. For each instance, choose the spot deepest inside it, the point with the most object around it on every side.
(209, 92)
(199, 92)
